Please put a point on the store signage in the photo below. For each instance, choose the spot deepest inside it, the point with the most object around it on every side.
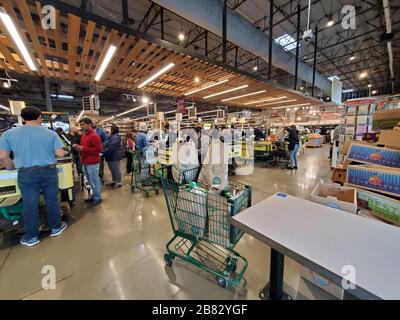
(359, 101)
(180, 103)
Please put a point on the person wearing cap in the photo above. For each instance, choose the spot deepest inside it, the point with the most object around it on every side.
(35, 149)
(294, 144)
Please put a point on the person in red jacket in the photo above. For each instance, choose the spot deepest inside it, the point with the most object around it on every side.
(90, 148)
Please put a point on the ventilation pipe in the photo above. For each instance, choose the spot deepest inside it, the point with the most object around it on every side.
(208, 15)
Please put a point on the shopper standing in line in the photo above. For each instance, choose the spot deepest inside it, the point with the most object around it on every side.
(74, 138)
(112, 154)
(294, 141)
(35, 149)
(90, 148)
(142, 145)
(130, 147)
(100, 132)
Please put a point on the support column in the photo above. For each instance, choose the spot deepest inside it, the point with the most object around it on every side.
(206, 43)
(224, 32)
(297, 47)
(271, 25)
(162, 24)
(49, 106)
(315, 61)
(125, 13)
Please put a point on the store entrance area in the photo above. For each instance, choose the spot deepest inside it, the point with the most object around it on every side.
(115, 251)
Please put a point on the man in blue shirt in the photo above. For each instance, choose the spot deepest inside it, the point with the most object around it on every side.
(35, 149)
(100, 132)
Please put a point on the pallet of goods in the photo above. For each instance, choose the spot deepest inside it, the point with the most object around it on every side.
(314, 140)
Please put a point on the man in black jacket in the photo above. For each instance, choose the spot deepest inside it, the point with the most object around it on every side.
(294, 144)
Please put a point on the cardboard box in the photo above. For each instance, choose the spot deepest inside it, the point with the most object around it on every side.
(335, 196)
(366, 153)
(346, 147)
(339, 175)
(371, 136)
(377, 178)
(321, 282)
(389, 138)
(385, 119)
(385, 208)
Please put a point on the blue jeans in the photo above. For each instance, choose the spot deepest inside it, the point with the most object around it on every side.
(92, 175)
(31, 181)
(293, 155)
(115, 171)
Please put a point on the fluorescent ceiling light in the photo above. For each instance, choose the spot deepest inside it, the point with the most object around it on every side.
(7, 21)
(333, 77)
(156, 75)
(363, 75)
(132, 110)
(62, 96)
(293, 105)
(348, 90)
(268, 104)
(105, 62)
(168, 112)
(206, 87)
(4, 107)
(264, 100)
(80, 116)
(226, 91)
(244, 95)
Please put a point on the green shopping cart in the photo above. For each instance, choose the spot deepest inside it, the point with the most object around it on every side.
(203, 235)
(141, 177)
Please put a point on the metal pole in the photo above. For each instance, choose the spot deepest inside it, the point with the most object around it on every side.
(224, 32)
(271, 22)
(49, 106)
(315, 61)
(206, 43)
(297, 47)
(236, 56)
(125, 12)
(162, 23)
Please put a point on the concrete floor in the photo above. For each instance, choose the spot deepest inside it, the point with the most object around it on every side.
(115, 251)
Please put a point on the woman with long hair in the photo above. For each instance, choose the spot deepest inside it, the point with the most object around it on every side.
(112, 154)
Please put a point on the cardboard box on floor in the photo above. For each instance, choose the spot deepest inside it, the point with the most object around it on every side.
(335, 196)
(339, 175)
(321, 282)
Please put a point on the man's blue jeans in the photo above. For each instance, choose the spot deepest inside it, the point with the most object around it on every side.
(92, 175)
(31, 181)
(293, 155)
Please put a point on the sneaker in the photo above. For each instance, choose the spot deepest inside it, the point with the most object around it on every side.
(94, 203)
(29, 242)
(89, 200)
(111, 184)
(57, 231)
(117, 185)
(295, 167)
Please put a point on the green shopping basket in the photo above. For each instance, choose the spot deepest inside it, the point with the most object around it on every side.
(203, 235)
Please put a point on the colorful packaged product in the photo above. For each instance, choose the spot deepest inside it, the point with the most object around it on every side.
(376, 155)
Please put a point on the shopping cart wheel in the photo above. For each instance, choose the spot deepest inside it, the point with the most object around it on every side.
(222, 282)
(168, 259)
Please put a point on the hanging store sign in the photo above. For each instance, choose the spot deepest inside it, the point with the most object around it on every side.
(180, 103)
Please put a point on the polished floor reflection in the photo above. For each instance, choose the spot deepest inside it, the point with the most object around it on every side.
(115, 251)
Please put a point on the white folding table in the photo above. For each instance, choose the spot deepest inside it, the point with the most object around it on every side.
(325, 240)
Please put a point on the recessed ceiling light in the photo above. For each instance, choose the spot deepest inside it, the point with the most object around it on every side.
(181, 36)
(206, 87)
(370, 86)
(352, 58)
(196, 79)
(374, 92)
(255, 68)
(363, 75)
(330, 22)
(226, 91)
(244, 95)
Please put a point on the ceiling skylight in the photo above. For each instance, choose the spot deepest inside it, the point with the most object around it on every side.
(287, 42)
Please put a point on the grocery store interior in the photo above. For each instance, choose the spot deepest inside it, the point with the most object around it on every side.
(187, 149)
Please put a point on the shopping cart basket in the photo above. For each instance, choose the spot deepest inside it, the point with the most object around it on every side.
(203, 235)
(139, 167)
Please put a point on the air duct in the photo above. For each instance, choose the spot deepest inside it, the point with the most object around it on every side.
(208, 15)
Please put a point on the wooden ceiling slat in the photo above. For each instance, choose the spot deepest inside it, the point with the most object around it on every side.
(74, 27)
(85, 52)
(58, 42)
(89, 75)
(126, 64)
(30, 27)
(8, 56)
